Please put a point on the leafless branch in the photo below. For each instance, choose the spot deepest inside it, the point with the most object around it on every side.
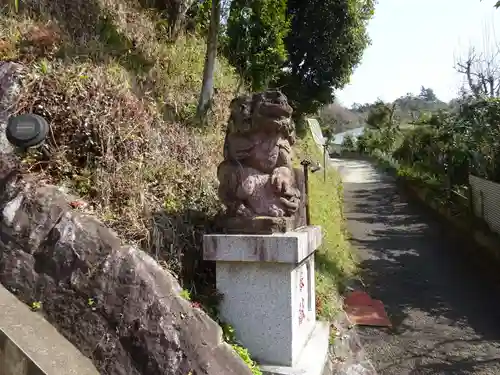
(481, 70)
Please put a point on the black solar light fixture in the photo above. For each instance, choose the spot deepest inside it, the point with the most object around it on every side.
(315, 167)
(28, 131)
(308, 165)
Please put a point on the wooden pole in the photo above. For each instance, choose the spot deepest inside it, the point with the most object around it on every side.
(325, 160)
(305, 165)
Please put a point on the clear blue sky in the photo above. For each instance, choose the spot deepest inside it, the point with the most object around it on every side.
(415, 43)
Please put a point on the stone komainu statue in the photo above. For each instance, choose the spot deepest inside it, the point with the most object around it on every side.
(256, 176)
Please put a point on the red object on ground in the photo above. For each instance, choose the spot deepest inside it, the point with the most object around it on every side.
(78, 204)
(365, 311)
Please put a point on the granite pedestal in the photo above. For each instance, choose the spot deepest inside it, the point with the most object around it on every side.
(268, 285)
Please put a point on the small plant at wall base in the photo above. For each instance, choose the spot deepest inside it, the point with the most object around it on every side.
(230, 338)
(186, 294)
(348, 144)
(245, 356)
(211, 308)
(36, 305)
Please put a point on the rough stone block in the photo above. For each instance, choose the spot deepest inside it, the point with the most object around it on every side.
(29, 345)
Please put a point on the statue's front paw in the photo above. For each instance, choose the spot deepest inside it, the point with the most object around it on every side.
(292, 193)
(243, 210)
(281, 180)
(276, 211)
(291, 205)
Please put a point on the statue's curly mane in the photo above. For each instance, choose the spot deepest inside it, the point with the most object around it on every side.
(263, 111)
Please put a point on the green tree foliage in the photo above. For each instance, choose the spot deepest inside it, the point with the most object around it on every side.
(427, 94)
(380, 115)
(255, 31)
(325, 43)
(176, 13)
(328, 133)
(411, 108)
(450, 146)
(362, 144)
(199, 16)
(348, 144)
(338, 118)
(478, 126)
(432, 118)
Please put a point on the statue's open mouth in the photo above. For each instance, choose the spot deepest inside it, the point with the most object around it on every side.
(276, 111)
(276, 115)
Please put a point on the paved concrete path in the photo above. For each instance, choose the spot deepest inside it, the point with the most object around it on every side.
(446, 313)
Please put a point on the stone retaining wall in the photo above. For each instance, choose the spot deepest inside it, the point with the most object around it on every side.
(29, 345)
(112, 301)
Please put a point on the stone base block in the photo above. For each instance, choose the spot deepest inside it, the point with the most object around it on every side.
(268, 286)
(270, 305)
(290, 247)
(313, 358)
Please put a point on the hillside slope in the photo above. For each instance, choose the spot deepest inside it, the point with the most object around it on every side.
(120, 100)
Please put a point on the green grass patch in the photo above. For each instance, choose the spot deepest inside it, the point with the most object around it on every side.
(335, 262)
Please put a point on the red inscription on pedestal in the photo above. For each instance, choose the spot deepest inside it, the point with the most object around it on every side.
(302, 314)
(302, 305)
(301, 282)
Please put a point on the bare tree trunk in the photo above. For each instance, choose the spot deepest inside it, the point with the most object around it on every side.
(207, 86)
(240, 85)
(482, 72)
(177, 17)
(391, 117)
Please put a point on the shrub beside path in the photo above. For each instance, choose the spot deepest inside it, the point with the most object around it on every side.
(445, 313)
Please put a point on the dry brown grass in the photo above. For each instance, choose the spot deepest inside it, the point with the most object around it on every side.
(120, 101)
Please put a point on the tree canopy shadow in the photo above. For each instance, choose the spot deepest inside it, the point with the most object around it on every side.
(425, 273)
(425, 360)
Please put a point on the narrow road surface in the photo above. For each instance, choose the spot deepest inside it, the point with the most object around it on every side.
(445, 312)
